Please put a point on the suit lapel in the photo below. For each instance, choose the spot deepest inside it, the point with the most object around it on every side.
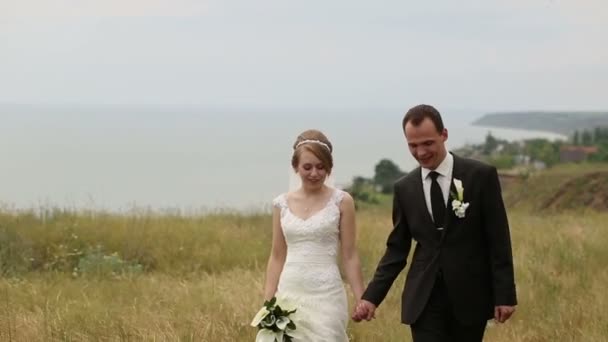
(457, 173)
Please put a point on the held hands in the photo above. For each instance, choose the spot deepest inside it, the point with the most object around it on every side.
(364, 310)
(503, 312)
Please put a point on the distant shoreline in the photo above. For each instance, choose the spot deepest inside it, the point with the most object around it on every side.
(533, 130)
(562, 123)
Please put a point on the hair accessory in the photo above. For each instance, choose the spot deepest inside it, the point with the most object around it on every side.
(308, 141)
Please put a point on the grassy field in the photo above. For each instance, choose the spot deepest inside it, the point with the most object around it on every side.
(157, 277)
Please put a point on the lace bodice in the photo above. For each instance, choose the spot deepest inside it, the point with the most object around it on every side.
(315, 239)
(311, 275)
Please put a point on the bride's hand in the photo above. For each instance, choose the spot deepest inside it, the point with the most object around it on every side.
(364, 310)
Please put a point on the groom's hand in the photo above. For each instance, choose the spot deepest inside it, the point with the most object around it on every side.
(503, 312)
(365, 310)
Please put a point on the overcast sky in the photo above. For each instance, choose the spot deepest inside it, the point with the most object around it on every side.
(490, 55)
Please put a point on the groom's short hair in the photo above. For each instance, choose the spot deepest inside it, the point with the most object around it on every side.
(420, 112)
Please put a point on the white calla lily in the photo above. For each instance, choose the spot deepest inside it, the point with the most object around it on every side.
(458, 205)
(282, 322)
(459, 188)
(265, 335)
(271, 322)
(259, 316)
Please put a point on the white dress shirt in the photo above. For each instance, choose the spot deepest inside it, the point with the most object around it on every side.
(444, 179)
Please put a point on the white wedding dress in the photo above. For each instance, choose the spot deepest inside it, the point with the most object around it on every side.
(311, 275)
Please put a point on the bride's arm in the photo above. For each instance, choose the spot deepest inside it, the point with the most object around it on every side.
(278, 253)
(348, 238)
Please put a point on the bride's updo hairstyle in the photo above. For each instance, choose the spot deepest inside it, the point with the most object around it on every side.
(316, 143)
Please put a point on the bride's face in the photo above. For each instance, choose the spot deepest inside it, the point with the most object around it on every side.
(311, 169)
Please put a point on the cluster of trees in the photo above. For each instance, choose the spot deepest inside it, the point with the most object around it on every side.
(498, 152)
(506, 155)
(543, 150)
(594, 137)
(369, 190)
(590, 137)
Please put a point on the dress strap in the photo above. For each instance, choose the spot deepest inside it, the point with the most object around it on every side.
(280, 201)
(338, 195)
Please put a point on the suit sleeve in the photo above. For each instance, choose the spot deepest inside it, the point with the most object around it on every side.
(395, 257)
(496, 228)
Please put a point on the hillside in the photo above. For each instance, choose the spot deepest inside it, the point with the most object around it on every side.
(555, 122)
(571, 186)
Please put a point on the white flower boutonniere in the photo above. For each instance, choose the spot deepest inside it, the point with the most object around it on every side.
(458, 204)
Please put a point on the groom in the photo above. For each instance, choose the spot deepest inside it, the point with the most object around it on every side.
(462, 268)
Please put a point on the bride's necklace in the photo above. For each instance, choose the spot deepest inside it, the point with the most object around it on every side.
(308, 206)
(310, 203)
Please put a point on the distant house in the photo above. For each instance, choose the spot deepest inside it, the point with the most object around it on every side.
(539, 165)
(570, 153)
(522, 159)
(525, 160)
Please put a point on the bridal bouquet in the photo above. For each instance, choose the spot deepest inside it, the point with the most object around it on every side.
(274, 322)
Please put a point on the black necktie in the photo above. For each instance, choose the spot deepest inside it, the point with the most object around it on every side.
(437, 202)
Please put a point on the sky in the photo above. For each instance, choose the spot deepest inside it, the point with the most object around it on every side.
(486, 55)
(242, 57)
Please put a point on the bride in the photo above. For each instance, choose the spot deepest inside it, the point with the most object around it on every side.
(311, 227)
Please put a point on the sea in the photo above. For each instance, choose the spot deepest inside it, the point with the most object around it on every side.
(191, 160)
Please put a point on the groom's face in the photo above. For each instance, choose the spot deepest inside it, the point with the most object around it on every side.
(426, 144)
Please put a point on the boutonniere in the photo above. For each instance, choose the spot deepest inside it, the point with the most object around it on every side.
(458, 205)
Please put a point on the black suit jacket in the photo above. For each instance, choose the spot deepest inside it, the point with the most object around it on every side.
(473, 253)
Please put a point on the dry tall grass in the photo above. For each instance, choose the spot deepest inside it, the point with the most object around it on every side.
(200, 278)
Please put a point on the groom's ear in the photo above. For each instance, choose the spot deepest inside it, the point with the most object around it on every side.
(444, 134)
